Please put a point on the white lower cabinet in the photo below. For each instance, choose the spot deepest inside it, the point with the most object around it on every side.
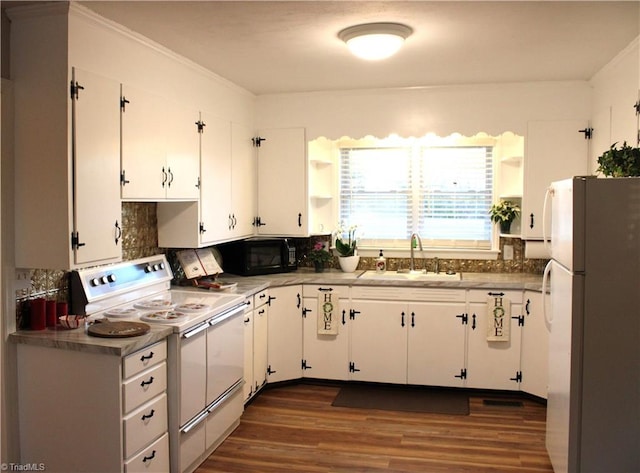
(248, 349)
(111, 411)
(284, 333)
(398, 335)
(378, 342)
(494, 364)
(418, 338)
(325, 355)
(535, 346)
(436, 342)
(255, 343)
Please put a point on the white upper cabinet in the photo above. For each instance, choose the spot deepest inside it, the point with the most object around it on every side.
(554, 150)
(243, 181)
(282, 182)
(225, 209)
(97, 209)
(160, 151)
(215, 165)
(183, 152)
(67, 173)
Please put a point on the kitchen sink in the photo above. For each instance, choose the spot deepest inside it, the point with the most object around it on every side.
(410, 276)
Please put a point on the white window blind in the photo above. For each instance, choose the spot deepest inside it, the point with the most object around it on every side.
(442, 193)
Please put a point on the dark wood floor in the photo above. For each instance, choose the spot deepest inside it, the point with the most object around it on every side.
(295, 429)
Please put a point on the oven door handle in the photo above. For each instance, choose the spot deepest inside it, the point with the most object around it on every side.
(195, 330)
(226, 315)
(195, 421)
(226, 395)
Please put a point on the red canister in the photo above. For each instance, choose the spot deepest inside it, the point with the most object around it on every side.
(37, 313)
(52, 318)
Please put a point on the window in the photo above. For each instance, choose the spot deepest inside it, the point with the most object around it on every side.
(443, 193)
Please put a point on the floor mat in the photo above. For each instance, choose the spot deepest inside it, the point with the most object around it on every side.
(403, 398)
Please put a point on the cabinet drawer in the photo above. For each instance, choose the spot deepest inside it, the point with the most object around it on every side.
(315, 290)
(143, 359)
(153, 459)
(261, 298)
(141, 388)
(145, 424)
(477, 295)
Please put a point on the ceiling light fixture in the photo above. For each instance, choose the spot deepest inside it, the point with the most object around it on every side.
(374, 41)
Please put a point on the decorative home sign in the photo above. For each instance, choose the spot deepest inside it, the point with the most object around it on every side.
(328, 310)
(498, 317)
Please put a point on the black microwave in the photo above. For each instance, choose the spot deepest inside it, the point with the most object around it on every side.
(255, 256)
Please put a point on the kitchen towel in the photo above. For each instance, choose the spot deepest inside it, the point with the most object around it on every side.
(498, 318)
(328, 313)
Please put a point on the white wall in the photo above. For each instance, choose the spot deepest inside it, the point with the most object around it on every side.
(616, 88)
(492, 108)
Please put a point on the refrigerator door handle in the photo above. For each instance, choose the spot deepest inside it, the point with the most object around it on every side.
(545, 281)
(546, 239)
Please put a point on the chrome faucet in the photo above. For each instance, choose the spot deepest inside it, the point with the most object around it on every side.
(417, 237)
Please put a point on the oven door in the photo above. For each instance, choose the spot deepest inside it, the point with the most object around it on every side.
(225, 352)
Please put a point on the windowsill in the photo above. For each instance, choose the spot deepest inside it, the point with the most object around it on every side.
(450, 253)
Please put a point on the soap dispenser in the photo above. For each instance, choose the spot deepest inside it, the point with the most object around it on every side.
(381, 263)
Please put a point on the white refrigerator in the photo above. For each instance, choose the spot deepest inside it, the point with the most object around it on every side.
(593, 406)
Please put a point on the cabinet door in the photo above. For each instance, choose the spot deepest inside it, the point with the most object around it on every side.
(243, 181)
(379, 341)
(535, 346)
(183, 153)
(325, 356)
(143, 145)
(436, 344)
(285, 333)
(282, 182)
(493, 364)
(260, 360)
(96, 156)
(248, 353)
(215, 196)
(554, 150)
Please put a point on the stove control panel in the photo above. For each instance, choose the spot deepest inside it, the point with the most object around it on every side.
(101, 282)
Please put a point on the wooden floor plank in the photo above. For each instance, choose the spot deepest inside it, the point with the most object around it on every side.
(294, 429)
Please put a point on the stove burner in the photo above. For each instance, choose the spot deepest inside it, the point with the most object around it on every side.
(164, 316)
(128, 312)
(193, 307)
(157, 304)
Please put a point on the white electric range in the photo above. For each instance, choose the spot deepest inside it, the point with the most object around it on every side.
(205, 359)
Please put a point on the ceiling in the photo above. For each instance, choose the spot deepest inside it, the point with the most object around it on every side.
(292, 46)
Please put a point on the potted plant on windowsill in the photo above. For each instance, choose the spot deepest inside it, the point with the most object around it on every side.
(623, 162)
(347, 249)
(503, 213)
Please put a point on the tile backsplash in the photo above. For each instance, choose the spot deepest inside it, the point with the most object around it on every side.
(518, 264)
(139, 239)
